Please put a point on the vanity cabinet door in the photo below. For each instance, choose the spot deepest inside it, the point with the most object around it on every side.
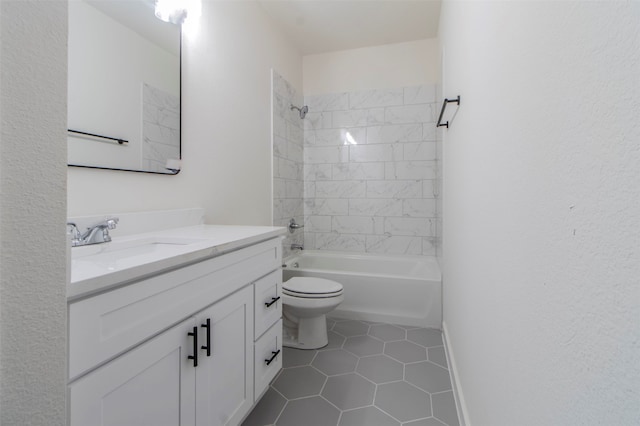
(224, 379)
(153, 384)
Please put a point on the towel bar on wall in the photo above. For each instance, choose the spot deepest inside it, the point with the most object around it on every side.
(93, 135)
(444, 106)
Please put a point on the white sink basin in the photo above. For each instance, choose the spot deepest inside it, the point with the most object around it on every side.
(128, 249)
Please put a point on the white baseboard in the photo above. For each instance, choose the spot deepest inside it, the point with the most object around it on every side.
(461, 406)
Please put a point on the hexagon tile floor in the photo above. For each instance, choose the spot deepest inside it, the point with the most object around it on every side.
(370, 374)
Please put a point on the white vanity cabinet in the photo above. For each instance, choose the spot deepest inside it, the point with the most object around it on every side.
(133, 350)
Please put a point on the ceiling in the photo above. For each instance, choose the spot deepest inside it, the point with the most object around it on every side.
(318, 26)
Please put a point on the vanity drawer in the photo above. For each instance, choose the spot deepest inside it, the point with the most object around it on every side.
(104, 326)
(268, 358)
(268, 301)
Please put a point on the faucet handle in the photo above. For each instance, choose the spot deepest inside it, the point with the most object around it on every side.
(112, 222)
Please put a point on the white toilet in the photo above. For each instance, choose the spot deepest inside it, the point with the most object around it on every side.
(305, 301)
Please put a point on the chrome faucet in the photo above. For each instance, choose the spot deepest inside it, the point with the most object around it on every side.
(96, 234)
(297, 247)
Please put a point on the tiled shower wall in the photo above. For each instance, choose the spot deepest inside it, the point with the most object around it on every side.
(287, 160)
(370, 171)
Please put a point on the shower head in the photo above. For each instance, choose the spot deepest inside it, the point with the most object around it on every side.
(303, 111)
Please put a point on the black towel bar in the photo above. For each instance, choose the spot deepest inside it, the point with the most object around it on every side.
(93, 135)
(444, 106)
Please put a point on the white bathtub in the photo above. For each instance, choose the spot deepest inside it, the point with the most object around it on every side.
(395, 289)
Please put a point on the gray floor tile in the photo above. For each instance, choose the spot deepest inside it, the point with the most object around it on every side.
(387, 332)
(438, 356)
(299, 381)
(335, 341)
(363, 345)
(296, 357)
(427, 337)
(349, 391)
(380, 369)
(403, 401)
(405, 351)
(351, 328)
(368, 416)
(313, 411)
(425, 422)
(336, 361)
(444, 408)
(267, 410)
(428, 376)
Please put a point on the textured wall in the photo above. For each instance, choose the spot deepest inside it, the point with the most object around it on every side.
(542, 210)
(33, 84)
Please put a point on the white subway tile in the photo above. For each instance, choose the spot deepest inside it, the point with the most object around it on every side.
(330, 102)
(317, 120)
(395, 133)
(418, 227)
(357, 117)
(309, 137)
(294, 189)
(352, 224)
(394, 189)
(358, 171)
(279, 126)
(419, 208)
(393, 244)
(420, 94)
(429, 188)
(329, 137)
(279, 188)
(341, 189)
(294, 133)
(309, 240)
(326, 206)
(313, 172)
(318, 224)
(375, 153)
(375, 207)
(419, 151)
(429, 246)
(378, 225)
(340, 242)
(292, 207)
(309, 189)
(279, 146)
(282, 87)
(294, 152)
(409, 114)
(329, 154)
(430, 132)
(407, 170)
(375, 98)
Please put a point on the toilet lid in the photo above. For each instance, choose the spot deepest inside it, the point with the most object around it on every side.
(310, 286)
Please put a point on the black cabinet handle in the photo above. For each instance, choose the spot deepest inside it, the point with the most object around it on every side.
(273, 300)
(194, 357)
(208, 345)
(270, 360)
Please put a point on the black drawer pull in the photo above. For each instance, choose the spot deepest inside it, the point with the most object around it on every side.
(270, 360)
(208, 345)
(194, 357)
(273, 300)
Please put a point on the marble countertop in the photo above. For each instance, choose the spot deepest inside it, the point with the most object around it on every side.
(100, 267)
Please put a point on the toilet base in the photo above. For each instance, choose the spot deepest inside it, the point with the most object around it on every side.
(307, 333)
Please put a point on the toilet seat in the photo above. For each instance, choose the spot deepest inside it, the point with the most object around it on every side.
(311, 288)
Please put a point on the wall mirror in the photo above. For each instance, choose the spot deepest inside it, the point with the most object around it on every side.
(123, 88)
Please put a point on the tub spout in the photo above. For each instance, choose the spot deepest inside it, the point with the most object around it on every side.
(297, 247)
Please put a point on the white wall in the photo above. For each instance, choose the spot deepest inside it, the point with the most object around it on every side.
(33, 109)
(388, 66)
(226, 121)
(542, 210)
